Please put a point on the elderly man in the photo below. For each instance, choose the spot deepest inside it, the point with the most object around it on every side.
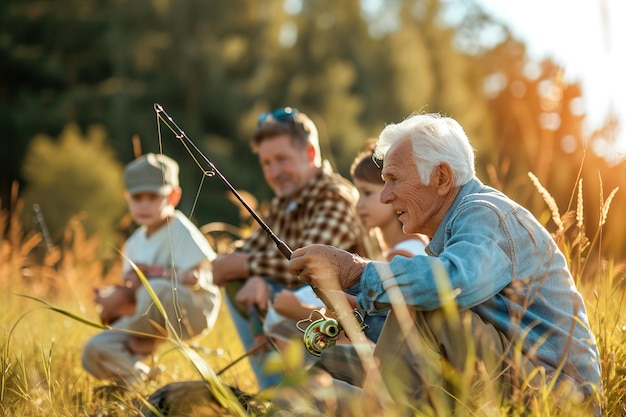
(491, 315)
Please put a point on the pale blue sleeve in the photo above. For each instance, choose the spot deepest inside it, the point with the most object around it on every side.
(476, 263)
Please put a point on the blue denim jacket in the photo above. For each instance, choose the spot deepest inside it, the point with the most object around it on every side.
(507, 268)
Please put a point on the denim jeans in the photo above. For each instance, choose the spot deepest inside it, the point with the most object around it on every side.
(244, 329)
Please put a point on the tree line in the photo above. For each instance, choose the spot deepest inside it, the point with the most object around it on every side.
(80, 79)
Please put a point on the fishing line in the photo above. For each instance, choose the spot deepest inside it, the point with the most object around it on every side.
(212, 171)
(347, 320)
(173, 273)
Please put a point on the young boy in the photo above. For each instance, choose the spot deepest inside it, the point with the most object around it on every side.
(175, 258)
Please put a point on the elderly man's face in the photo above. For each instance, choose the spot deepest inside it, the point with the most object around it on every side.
(416, 204)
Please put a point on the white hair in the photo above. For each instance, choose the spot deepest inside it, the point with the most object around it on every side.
(434, 139)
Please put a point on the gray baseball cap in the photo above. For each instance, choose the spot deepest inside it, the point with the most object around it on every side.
(155, 173)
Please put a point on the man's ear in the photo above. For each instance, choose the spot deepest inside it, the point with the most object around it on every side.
(445, 178)
(311, 153)
(174, 198)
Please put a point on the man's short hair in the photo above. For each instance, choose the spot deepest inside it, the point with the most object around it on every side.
(300, 128)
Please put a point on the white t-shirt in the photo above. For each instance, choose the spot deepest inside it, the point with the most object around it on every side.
(413, 246)
(178, 244)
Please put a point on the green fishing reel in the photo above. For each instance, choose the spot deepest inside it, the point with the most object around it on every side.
(319, 334)
(323, 333)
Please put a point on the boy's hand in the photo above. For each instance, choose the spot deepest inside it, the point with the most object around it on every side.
(114, 302)
(286, 302)
(149, 271)
(142, 345)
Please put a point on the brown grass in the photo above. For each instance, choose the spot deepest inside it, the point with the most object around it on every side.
(41, 373)
(40, 349)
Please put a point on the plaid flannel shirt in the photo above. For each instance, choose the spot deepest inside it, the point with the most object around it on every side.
(324, 212)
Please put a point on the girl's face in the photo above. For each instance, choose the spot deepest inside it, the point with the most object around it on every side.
(149, 209)
(371, 211)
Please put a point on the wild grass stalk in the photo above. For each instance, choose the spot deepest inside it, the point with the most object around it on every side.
(40, 344)
(47, 316)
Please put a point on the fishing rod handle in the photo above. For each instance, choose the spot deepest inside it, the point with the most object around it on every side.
(283, 248)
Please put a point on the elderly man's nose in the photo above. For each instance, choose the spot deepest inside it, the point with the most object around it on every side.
(386, 195)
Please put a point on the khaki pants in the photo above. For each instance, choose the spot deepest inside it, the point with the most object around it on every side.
(430, 364)
(107, 356)
(441, 365)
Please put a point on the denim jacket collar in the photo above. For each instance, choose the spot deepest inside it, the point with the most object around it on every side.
(436, 243)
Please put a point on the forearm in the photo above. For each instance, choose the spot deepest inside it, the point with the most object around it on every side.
(186, 276)
(131, 279)
(421, 282)
(296, 310)
(229, 267)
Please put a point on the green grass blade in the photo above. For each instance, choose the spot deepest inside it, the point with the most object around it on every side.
(65, 312)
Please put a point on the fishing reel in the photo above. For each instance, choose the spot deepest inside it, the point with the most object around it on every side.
(323, 333)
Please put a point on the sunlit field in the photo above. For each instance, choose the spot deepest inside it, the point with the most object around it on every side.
(40, 344)
(46, 310)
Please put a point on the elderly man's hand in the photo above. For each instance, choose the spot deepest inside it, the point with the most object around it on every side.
(326, 267)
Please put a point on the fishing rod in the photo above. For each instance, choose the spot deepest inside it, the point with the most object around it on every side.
(180, 135)
(319, 334)
(44, 228)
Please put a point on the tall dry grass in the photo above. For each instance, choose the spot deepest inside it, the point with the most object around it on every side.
(41, 341)
(604, 293)
(40, 344)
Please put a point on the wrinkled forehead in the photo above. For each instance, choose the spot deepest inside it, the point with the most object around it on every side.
(402, 145)
(398, 154)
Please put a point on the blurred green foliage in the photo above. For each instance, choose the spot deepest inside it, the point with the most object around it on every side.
(75, 174)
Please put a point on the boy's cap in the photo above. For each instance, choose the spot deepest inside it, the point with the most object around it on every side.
(155, 173)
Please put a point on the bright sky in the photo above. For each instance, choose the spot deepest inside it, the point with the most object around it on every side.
(587, 38)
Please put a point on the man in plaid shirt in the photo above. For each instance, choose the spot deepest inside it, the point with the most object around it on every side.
(312, 205)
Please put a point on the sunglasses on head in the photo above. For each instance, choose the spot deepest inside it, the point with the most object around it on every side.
(286, 114)
(378, 162)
